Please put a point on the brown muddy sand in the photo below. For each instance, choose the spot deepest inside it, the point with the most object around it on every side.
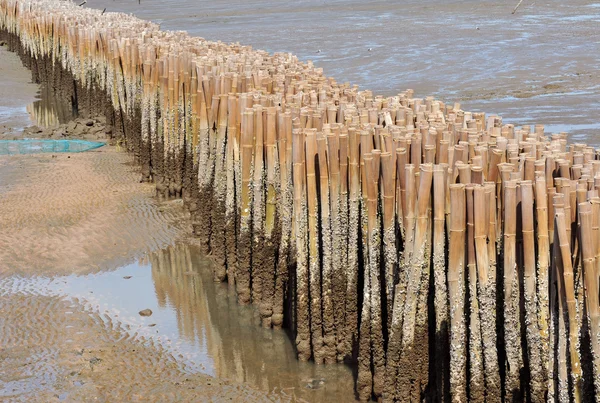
(75, 214)
(195, 322)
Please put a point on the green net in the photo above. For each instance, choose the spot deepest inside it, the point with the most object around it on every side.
(35, 146)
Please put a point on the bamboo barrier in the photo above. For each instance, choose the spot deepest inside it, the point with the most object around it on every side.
(453, 257)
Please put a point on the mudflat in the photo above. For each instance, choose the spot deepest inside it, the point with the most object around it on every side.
(64, 214)
(75, 214)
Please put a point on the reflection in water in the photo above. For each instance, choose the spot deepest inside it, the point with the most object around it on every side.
(198, 321)
(50, 110)
(208, 316)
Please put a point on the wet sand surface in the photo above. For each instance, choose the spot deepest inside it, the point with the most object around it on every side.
(537, 66)
(196, 326)
(72, 214)
(63, 213)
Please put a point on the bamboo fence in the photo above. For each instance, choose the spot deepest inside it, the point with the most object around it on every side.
(453, 257)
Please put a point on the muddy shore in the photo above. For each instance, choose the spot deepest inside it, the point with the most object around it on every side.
(169, 183)
(72, 217)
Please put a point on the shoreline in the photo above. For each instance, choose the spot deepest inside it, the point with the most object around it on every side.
(330, 209)
(84, 357)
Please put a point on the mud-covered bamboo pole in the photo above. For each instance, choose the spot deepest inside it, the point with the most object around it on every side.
(390, 254)
(218, 235)
(329, 344)
(338, 161)
(301, 244)
(543, 263)
(393, 359)
(285, 213)
(486, 291)
(475, 346)
(415, 327)
(442, 325)
(569, 305)
(232, 177)
(456, 293)
(271, 228)
(559, 387)
(537, 383)
(314, 263)
(365, 355)
(512, 333)
(354, 192)
(258, 206)
(244, 259)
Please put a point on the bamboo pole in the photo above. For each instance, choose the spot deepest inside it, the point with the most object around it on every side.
(329, 344)
(441, 288)
(534, 343)
(590, 266)
(301, 244)
(285, 211)
(390, 253)
(353, 243)
(543, 263)
(486, 291)
(271, 226)
(568, 302)
(365, 373)
(512, 332)
(314, 268)
(456, 291)
(232, 177)
(218, 236)
(245, 235)
(476, 370)
(338, 154)
(259, 268)
(415, 328)
(558, 387)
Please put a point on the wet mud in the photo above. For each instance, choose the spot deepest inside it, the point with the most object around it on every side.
(207, 345)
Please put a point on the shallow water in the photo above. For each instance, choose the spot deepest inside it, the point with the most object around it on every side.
(539, 65)
(23, 103)
(198, 320)
(49, 110)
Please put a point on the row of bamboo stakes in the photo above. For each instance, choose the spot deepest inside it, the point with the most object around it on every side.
(453, 257)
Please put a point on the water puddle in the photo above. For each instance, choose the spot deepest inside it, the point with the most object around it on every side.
(35, 146)
(49, 110)
(199, 321)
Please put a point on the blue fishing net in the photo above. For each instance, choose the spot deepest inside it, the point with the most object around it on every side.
(34, 146)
